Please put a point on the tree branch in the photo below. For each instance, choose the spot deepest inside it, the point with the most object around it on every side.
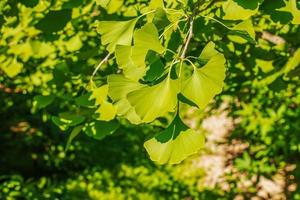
(190, 35)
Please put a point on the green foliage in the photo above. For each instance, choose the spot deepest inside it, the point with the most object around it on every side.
(81, 72)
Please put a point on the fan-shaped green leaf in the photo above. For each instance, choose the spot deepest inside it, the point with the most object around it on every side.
(132, 58)
(107, 111)
(205, 82)
(243, 32)
(125, 62)
(233, 11)
(208, 52)
(151, 102)
(119, 87)
(174, 144)
(116, 33)
(145, 39)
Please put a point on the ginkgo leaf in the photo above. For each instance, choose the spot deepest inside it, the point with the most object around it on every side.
(125, 62)
(99, 94)
(243, 32)
(208, 52)
(101, 129)
(107, 111)
(151, 102)
(132, 58)
(116, 33)
(160, 19)
(102, 3)
(205, 82)
(145, 39)
(119, 87)
(233, 11)
(174, 144)
(291, 7)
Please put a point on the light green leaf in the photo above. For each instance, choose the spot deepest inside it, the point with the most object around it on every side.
(147, 37)
(102, 3)
(107, 111)
(73, 134)
(233, 11)
(293, 62)
(125, 62)
(243, 32)
(291, 7)
(174, 144)
(132, 58)
(116, 33)
(156, 4)
(11, 67)
(205, 82)
(74, 43)
(99, 94)
(208, 52)
(119, 87)
(151, 102)
(101, 129)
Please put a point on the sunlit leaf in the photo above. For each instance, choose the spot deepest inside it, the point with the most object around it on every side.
(151, 102)
(107, 111)
(174, 144)
(125, 62)
(208, 52)
(206, 81)
(116, 33)
(243, 32)
(233, 11)
(119, 87)
(99, 94)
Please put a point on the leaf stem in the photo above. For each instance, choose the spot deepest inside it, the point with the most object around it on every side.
(99, 65)
(147, 13)
(216, 21)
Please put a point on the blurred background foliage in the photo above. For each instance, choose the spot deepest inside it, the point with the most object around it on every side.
(48, 50)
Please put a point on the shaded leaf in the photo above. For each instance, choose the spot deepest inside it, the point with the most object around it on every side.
(41, 101)
(101, 129)
(54, 21)
(73, 134)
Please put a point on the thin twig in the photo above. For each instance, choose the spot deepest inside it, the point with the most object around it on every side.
(190, 35)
